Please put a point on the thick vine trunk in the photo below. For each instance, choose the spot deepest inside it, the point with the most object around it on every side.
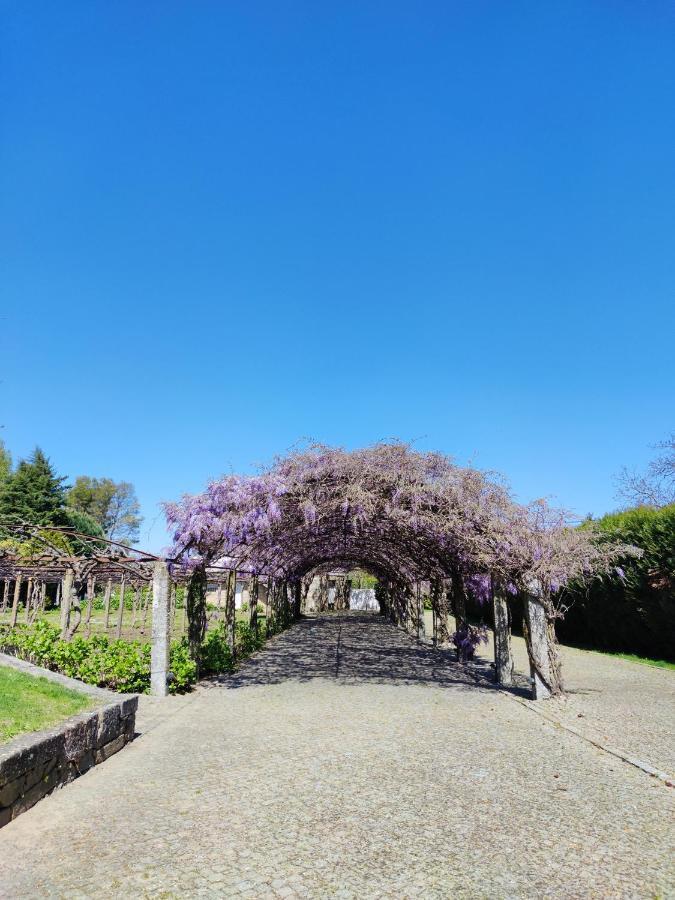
(459, 600)
(253, 605)
(541, 649)
(196, 612)
(439, 602)
(230, 610)
(502, 637)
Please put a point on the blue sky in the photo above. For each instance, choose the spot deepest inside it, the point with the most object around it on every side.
(229, 226)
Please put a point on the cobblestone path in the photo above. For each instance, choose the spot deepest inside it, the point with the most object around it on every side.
(347, 761)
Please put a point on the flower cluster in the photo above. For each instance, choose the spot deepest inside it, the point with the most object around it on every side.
(403, 515)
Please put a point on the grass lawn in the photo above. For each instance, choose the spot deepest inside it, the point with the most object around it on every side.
(645, 660)
(29, 704)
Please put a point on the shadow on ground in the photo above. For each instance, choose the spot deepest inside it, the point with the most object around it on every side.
(354, 648)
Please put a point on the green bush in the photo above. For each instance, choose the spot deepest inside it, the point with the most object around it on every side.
(216, 656)
(247, 641)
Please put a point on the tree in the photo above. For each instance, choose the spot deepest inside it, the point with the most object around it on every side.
(5, 463)
(113, 505)
(33, 493)
(656, 486)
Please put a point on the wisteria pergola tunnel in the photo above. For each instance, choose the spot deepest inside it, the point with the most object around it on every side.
(408, 518)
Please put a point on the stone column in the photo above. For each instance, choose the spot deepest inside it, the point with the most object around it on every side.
(502, 636)
(161, 630)
(66, 600)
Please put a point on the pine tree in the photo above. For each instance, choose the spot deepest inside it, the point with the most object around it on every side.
(33, 493)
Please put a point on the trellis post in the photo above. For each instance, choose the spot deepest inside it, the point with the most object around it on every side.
(161, 628)
(66, 600)
(120, 611)
(106, 602)
(502, 636)
(29, 599)
(91, 581)
(15, 600)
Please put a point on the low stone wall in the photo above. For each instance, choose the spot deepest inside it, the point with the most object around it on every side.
(33, 765)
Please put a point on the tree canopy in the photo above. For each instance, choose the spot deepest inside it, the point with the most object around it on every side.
(113, 505)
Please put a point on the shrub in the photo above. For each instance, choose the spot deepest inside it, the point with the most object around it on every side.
(216, 656)
(247, 642)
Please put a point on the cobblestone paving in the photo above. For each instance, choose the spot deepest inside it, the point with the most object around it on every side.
(346, 761)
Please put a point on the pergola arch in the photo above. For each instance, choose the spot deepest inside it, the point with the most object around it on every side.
(408, 516)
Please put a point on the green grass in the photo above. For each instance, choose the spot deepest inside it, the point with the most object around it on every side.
(29, 704)
(643, 660)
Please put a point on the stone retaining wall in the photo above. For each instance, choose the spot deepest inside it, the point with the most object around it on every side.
(33, 765)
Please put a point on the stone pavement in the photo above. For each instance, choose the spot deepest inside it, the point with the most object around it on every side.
(346, 761)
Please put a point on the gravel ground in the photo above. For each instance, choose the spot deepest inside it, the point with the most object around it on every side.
(347, 761)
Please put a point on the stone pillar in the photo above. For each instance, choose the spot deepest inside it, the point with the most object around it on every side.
(66, 600)
(502, 636)
(161, 630)
(297, 599)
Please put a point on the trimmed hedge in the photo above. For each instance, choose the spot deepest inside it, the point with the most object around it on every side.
(636, 613)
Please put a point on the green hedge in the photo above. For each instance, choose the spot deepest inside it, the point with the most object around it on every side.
(636, 613)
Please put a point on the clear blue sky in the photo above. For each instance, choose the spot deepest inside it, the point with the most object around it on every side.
(228, 226)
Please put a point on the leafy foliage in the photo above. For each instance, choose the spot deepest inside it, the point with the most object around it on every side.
(113, 505)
